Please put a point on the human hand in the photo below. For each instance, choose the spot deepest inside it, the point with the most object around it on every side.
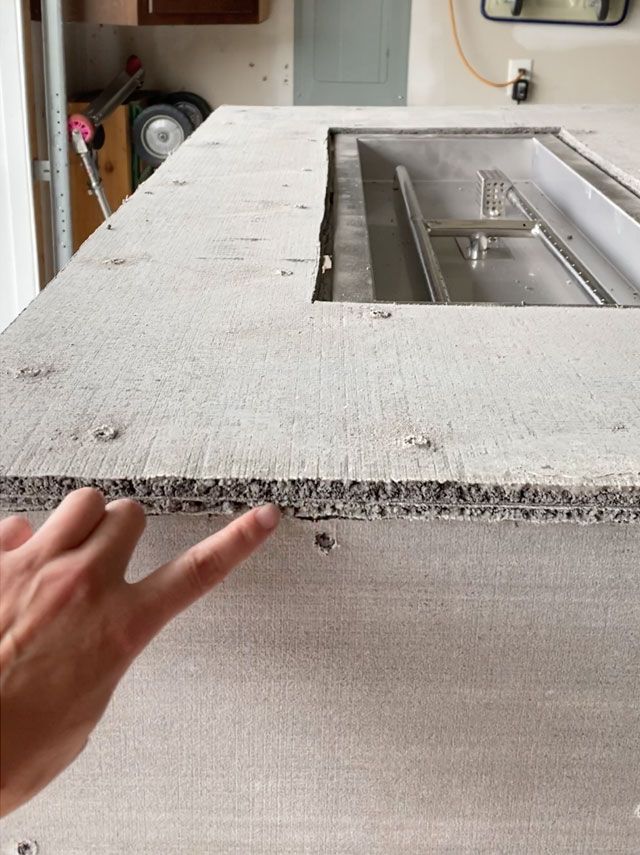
(70, 625)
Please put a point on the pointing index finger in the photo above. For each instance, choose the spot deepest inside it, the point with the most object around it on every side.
(179, 583)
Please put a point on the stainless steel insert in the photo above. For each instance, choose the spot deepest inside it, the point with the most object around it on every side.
(512, 219)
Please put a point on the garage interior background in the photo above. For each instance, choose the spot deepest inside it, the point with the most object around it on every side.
(255, 64)
(577, 65)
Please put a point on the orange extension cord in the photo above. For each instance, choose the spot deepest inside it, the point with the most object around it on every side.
(480, 77)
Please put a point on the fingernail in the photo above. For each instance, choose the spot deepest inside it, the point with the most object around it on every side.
(268, 517)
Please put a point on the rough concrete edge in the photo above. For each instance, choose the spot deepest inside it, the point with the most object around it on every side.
(452, 130)
(318, 499)
(323, 287)
(629, 181)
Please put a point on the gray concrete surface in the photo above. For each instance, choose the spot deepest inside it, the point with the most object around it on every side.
(188, 331)
(421, 687)
(359, 688)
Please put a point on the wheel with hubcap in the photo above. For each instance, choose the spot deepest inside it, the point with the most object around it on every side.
(158, 131)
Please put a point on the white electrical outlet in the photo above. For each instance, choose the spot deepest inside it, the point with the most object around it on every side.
(514, 67)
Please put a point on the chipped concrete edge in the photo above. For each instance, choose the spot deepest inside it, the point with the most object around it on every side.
(626, 179)
(316, 499)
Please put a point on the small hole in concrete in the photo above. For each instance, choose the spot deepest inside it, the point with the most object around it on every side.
(32, 371)
(325, 542)
(419, 440)
(104, 433)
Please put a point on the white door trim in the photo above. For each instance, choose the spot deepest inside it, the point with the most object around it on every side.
(19, 280)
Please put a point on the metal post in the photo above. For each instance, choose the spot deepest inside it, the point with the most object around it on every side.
(91, 169)
(57, 134)
(436, 286)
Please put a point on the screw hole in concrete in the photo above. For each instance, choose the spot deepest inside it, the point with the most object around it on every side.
(325, 542)
(104, 433)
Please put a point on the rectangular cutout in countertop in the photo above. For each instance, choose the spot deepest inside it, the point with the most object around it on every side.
(471, 217)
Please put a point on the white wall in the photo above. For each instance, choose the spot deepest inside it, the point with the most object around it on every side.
(574, 65)
(18, 252)
(233, 64)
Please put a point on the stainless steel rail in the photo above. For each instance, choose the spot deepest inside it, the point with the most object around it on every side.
(558, 248)
(436, 286)
(492, 228)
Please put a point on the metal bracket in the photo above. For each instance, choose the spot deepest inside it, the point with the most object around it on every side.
(41, 170)
(492, 228)
(493, 186)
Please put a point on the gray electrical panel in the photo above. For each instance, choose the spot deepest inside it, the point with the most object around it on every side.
(351, 51)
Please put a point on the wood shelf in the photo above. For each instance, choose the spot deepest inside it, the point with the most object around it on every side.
(135, 12)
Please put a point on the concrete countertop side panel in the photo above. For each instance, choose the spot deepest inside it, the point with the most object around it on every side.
(179, 357)
(376, 688)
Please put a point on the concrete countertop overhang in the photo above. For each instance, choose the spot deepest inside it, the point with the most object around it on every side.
(180, 358)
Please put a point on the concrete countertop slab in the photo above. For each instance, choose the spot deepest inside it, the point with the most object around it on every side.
(179, 357)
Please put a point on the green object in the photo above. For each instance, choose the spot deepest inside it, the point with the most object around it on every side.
(139, 171)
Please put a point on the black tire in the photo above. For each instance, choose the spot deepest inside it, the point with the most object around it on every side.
(191, 112)
(516, 7)
(603, 10)
(98, 138)
(193, 105)
(158, 131)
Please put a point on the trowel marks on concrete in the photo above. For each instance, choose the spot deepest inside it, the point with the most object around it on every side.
(228, 384)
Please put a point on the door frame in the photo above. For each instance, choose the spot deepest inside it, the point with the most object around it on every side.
(18, 238)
